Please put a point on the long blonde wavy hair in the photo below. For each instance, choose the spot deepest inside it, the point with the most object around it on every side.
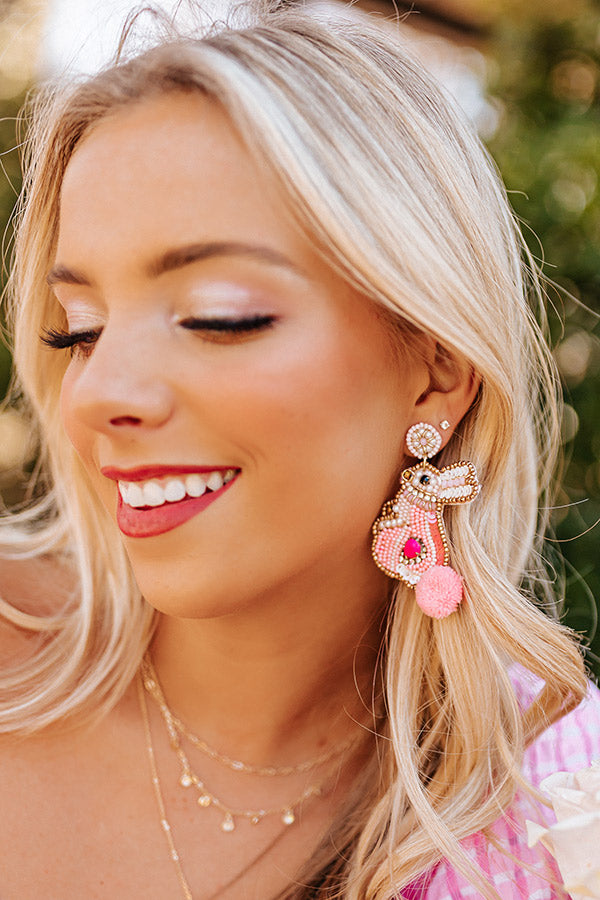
(397, 193)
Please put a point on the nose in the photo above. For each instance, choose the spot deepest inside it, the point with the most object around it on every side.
(122, 385)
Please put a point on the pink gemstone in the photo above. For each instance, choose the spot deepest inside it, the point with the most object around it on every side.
(412, 548)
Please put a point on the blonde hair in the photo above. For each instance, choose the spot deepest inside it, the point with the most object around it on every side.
(398, 195)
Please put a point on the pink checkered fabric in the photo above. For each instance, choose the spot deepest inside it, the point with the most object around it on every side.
(570, 744)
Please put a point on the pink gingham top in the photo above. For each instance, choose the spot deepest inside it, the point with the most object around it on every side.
(570, 744)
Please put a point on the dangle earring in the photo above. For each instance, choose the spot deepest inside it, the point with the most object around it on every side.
(409, 538)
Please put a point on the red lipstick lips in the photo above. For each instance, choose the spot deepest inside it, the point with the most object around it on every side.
(145, 473)
(151, 521)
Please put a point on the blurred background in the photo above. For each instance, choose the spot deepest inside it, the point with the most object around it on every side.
(528, 74)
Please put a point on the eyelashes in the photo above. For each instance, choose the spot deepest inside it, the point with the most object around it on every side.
(231, 326)
(228, 331)
(81, 342)
(216, 330)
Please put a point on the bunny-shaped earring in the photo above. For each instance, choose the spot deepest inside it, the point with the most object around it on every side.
(409, 539)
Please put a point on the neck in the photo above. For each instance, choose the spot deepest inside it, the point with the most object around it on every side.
(281, 679)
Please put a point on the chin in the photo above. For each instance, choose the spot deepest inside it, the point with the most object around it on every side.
(185, 605)
(207, 594)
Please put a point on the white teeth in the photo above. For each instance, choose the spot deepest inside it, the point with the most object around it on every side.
(195, 485)
(135, 495)
(171, 490)
(214, 481)
(174, 490)
(154, 495)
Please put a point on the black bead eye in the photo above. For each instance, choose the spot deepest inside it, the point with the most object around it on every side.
(424, 479)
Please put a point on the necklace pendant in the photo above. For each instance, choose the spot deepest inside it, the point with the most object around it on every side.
(228, 824)
(204, 800)
(186, 780)
(288, 817)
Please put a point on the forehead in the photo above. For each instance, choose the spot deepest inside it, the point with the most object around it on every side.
(167, 122)
(164, 171)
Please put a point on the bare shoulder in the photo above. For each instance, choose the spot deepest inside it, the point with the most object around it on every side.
(39, 587)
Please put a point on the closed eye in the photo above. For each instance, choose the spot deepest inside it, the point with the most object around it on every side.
(78, 342)
(227, 329)
(216, 329)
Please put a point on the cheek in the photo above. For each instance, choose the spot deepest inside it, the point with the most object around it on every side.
(72, 426)
(68, 420)
(75, 429)
(299, 401)
(319, 428)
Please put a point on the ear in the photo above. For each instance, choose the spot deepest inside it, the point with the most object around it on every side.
(452, 389)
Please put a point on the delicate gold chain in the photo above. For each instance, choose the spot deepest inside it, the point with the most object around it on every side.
(159, 797)
(206, 798)
(152, 685)
(166, 827)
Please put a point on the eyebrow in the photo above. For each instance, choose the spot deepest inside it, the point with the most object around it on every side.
(63, 275)
(180, 257)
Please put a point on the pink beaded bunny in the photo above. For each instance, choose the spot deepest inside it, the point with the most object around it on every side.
(409, 539)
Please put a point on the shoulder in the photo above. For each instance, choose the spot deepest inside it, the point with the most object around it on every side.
(509, 865)
(37, 586)
(31, 591)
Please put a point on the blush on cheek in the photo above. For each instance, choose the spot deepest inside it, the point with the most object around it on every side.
(71, 426)
(65, 403)
(80, 438)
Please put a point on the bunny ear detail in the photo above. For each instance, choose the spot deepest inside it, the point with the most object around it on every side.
(458, 483)
(409, 538)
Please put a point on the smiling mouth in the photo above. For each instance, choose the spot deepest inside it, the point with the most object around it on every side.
(153, 493)
(151, 506)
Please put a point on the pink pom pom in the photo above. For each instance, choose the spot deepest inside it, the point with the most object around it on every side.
(439, 591)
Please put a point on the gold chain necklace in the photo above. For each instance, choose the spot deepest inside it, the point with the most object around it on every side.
(159, 797)
(152, 685)
(206, 798)
(166, 827)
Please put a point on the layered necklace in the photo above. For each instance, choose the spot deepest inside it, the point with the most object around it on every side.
(188, 778)
(166, 827)
(149, 684)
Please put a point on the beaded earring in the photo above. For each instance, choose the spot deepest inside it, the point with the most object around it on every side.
(409, 538)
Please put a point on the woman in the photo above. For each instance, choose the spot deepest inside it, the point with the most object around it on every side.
(270, 270)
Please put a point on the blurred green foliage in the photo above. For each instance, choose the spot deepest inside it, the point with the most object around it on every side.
(546, 80)
(10, 184)
(546, 76)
